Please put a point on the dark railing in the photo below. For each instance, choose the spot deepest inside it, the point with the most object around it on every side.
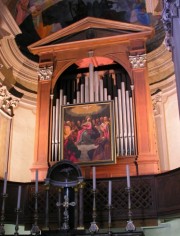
(152, 197)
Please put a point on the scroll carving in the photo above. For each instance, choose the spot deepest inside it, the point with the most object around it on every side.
(156, 102)
(7, 101)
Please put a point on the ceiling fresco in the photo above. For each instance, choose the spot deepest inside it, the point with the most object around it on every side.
(40, 18)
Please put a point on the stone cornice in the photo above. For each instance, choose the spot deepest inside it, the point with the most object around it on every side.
(24, 70)
(160, 64)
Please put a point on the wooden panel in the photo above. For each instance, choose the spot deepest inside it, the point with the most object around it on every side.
(168, 192)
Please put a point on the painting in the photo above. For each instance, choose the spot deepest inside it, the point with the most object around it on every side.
(88, 133)
(49, 16)
(38, 19)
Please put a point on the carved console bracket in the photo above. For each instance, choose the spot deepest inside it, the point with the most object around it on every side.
(7, 101)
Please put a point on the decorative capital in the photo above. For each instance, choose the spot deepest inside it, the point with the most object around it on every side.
(45, 73)
(7, 101)
(138, 61)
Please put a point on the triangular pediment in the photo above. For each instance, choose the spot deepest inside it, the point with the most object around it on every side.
(93, 28)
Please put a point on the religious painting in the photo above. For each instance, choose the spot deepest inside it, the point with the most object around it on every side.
(88, 133)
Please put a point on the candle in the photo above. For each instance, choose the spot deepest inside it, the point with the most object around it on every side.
(5, 183)
(109, 192)
(36, 183)
(94, 178)
(128, 176)
(19, 197)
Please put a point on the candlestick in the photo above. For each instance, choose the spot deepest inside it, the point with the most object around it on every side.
(19, 197)
(128, 176)
(36, 184)
(94, 178)
(5, 183)
(110, 192)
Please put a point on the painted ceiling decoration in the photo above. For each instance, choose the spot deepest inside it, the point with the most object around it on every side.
(40, 18)
(16, 35)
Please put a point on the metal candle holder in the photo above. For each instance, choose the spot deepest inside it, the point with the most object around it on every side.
(17, 221)
(93, 227)
(2, 230)
(35, 228)
(130, 226)
(109, 219)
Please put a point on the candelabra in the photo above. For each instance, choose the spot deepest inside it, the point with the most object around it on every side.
(130, 226)
(17, 221)
(93, 227)
(35, 228)
(2, 230)
(109, 206)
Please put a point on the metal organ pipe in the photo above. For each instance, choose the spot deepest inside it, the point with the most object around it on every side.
(116, 117)
(132, 121)
(60, 121)
(82, 87)
(56, 128)
(120, 123)
(101, 89)
(124, 116)
(96, 86)
(53, 131)
(91, 82)
(86, 88)
(78, 91)
(128, 122)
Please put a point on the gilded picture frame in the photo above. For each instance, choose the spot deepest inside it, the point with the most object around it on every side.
(88, 133)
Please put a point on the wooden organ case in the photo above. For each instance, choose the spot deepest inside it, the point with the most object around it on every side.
(111, 55)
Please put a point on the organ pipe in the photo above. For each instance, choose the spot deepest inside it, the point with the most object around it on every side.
(86, 88)
(96, 86)
(91, 78)
(101, 89)
(53, 130)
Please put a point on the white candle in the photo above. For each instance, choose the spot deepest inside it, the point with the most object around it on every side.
(109, 192)
(94, 178)
(128, 176)
(5, 183)
(19, 197)
(36, 183)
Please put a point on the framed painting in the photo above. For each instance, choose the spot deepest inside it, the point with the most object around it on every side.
(88, 133)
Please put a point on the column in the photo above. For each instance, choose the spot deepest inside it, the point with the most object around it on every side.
(42, 122)
(148, 160)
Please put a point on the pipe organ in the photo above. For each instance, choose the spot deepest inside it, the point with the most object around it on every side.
(124, 80)
(95, 86)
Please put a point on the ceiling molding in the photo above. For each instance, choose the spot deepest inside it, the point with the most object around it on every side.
(8, 21)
